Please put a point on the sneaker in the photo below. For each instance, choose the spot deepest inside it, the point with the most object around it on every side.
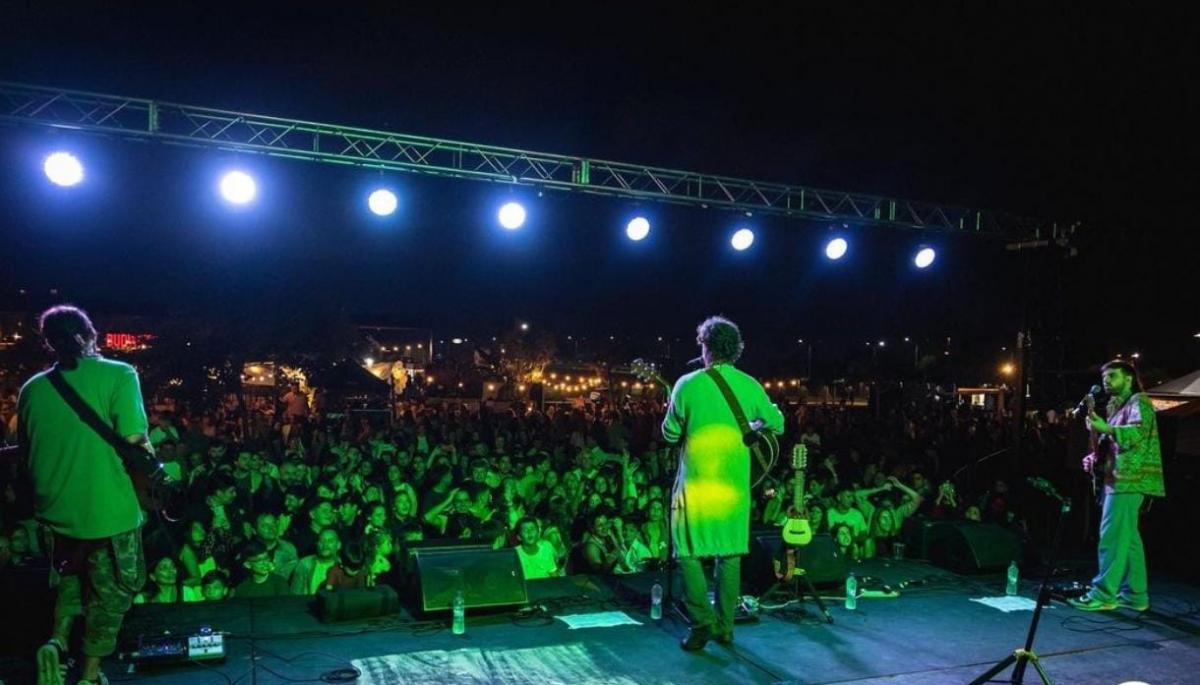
(696, 638)
(1089, 603)
(1141, 606)
(51, 664)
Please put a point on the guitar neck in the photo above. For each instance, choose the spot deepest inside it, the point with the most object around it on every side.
(798, 490)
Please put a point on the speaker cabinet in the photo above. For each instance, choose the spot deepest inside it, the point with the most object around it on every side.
(820, 559)
(487, 577)
(967, 547)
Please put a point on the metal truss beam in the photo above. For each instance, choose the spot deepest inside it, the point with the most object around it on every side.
(331, 143)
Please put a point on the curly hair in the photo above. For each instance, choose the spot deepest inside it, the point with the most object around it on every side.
(722, 338)
(67, 330)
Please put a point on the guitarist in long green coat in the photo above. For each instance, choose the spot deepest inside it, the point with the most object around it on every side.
(710, 505)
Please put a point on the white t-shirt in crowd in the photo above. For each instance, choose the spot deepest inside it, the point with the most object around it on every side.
(540, 564)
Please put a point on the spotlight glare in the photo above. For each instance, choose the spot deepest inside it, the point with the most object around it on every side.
(638, 228)
(63, 169)
(925, 257)
(238, 187)
(836, 248)
(512, 216)
(382, 202)
(742, 239)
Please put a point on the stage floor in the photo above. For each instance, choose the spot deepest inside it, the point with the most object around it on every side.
(932, 633)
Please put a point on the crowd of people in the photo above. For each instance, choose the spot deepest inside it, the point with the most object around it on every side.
(284, 500)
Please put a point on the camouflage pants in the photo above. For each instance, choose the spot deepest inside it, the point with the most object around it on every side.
(97, 579)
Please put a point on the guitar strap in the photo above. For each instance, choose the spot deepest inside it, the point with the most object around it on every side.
(135, 457)
(738, 414)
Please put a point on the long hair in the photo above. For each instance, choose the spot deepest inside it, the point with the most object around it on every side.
(67, 331)
(722, 338)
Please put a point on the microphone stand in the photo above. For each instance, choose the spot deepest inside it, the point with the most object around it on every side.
(1025, 656)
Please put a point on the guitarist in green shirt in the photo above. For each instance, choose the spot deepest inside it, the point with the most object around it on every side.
(83, 495)
(710, 505)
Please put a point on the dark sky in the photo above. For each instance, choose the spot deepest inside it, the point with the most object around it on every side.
(1078, 114)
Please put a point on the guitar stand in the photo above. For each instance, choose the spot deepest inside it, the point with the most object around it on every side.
(796, 592)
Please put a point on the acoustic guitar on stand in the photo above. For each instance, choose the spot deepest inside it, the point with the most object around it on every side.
(796, 531)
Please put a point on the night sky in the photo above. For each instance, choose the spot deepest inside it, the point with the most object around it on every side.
(1062, 114)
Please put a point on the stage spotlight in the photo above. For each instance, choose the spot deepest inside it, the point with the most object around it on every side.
(742, 239)
(924, 258)
(638, 228)
(238, 187)
(382, 202)
(836, 248)
(512, 215)
(63, 169)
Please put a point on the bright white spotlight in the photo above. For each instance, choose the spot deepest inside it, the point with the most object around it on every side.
(238, 187)
(382, 202)
(638, 228)
(836, 248)
(512, 215)
(742, 239)
(924, 257)
(63, 169)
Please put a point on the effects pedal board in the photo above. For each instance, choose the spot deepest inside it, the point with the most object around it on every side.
(173, 649)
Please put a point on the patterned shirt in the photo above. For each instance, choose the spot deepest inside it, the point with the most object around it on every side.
(1136, 466)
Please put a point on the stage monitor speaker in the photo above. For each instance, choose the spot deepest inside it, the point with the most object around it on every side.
(348, 605)
(968, 547)
(487, 577)
(820, 559)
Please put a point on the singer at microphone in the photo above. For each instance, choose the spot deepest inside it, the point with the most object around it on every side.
(1128, 455)
(1091, 396)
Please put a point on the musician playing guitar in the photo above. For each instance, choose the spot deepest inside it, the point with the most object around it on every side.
(713, 413)
(83, 495)
(1127, 455)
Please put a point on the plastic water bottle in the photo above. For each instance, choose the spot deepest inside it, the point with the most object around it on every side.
(851, 592)
(656, 593)
(1011, 588)
(460, 614)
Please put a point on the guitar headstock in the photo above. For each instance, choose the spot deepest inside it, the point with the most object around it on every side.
(800, 456)
(648, 372)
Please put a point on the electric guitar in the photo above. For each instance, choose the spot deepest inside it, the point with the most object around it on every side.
(170, 501)
(764, 446)
(797, 531)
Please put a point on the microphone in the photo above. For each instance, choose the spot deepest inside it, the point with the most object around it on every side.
(1082, 406)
